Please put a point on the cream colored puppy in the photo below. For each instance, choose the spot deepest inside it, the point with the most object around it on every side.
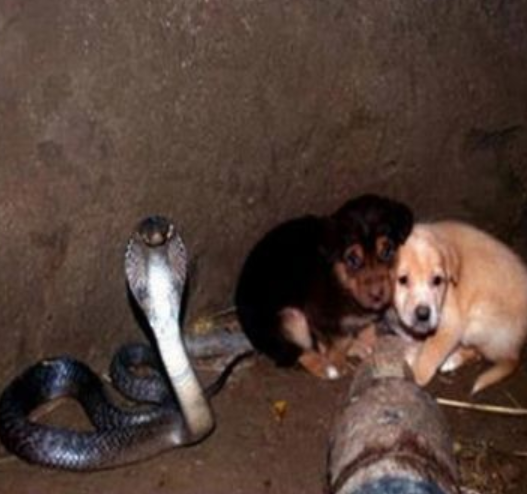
(465, 294)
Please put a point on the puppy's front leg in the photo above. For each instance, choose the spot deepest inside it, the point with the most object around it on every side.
(363, 344)
(314, 357)
(433, 353)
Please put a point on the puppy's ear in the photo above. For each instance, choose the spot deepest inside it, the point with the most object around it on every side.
(402, 220)
(452, 262)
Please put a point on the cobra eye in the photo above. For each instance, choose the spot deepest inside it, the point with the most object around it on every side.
(403, 280)
(437, 280)
(353, 261)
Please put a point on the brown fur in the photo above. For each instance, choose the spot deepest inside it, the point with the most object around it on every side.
(312, 285)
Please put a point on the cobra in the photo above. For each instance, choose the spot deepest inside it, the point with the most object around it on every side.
(179, 413)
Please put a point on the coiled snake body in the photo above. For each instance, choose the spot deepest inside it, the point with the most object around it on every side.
(178, 414)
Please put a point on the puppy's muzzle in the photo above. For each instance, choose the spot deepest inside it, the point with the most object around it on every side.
(378, 295)
(422, 313)
(378, 292)
(423, 320)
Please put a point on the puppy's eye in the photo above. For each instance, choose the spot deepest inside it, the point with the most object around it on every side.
(353, 261)
(387, 252)
(403, 280)
(437, 280)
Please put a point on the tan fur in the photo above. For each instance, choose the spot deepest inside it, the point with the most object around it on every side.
(480, 308)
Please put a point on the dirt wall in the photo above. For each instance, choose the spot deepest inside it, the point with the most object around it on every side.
(231, 117)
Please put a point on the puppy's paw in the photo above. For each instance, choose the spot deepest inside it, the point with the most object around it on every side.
(451, 364)
(320, 366)
(364, 344)
(338, 364)
(360, 350)
(460, 357)
(332, 372)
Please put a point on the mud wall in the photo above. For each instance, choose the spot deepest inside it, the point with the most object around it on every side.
(231, 117)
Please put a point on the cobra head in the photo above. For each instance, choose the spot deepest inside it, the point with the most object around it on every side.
(155, 230)
(156, 263)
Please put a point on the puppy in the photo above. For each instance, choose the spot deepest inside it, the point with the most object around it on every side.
(312, 284)
(465, 293)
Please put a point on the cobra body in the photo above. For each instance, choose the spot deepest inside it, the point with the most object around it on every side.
(178, 414)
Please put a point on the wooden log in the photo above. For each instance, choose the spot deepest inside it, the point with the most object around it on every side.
(390, 436)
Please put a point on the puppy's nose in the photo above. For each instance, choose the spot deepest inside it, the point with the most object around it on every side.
(422, 313)
(377, 294)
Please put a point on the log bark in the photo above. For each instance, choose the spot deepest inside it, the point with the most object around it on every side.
(390, 436)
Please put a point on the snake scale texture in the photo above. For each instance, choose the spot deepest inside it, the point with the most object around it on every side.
(175, 410)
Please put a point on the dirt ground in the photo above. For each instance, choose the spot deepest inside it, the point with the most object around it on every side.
(256, 450)
(231, 117)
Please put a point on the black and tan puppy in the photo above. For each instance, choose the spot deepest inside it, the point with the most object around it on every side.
(312, 284)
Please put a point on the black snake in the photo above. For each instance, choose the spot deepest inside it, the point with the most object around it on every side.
(177, 415)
